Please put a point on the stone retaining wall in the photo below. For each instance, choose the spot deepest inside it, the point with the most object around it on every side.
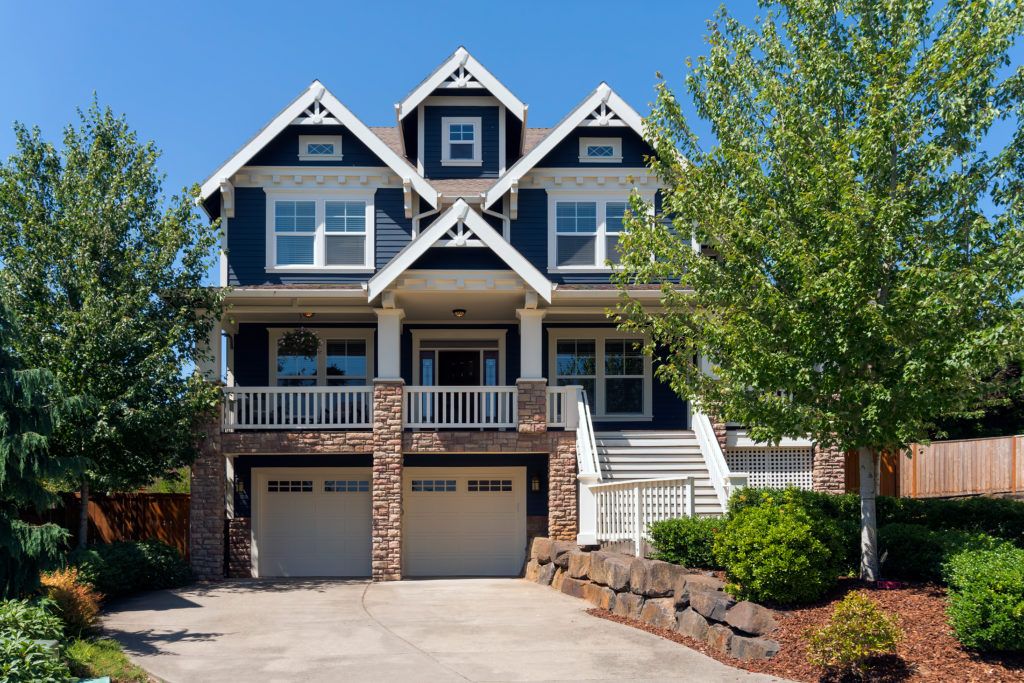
(660, 594)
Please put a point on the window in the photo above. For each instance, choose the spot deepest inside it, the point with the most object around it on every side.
(285, 486)
(460, 144)
(477, 485)
(609, 366)
(433, 485)
(348, 486)
(311, 233)
(345, 358)
(601, 150)
(320, 147)
(585, 231)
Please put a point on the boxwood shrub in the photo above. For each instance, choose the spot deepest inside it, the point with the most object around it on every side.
(915, 552)
(986, 598)
(687, 541)
(127, 567)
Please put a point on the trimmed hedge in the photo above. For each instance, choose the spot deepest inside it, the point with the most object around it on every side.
(128, 567)
(686, 541)
(913, 551)
(986, 598)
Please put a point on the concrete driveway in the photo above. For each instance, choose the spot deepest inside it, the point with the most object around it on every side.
(430, 630)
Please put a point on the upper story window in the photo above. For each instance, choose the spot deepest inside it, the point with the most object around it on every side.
(319, 233)
(460, 144)
(344, 358)
(600, 150)
(320, 147)
(610, 367)
(585, 231)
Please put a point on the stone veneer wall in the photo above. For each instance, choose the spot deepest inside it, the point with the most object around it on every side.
(533, 404)
(386, 483)
(828, 471)
(206, 510)
(239, 535)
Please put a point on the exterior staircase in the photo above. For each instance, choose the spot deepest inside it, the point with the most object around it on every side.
(633, 455)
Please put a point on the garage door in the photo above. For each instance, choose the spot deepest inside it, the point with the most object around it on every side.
(463, 521)
(312, 521)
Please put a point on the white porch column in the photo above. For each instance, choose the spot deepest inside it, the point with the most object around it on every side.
(210, 367)
(587, 510)
(389, 343)
(531, 362)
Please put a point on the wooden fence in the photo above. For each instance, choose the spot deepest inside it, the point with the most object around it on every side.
(126, 517)
(949, 468)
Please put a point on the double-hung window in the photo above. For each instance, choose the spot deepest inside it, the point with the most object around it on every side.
(344, 358)
(584, 230)
(609, 366)
(460, 144)
(319, 233)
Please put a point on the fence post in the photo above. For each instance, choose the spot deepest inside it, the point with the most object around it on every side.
(638, 518)
(913, 471)
(1013, 465)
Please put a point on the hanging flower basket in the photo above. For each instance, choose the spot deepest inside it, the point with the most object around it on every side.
(300, 342)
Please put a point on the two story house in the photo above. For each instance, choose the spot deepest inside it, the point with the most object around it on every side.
(420, 372)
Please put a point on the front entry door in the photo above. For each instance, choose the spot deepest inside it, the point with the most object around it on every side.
(458, 368)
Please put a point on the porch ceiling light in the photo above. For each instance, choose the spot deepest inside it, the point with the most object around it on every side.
(459, 312)
(307, 315)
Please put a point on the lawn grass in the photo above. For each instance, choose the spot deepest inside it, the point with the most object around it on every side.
(97, 658)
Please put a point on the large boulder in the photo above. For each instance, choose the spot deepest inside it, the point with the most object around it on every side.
(659, 613)
(560, 552)
(628, 605)
(719, 638)
(558, 577)
(611, 569)
(532, 569)
(653, 578)
(691, 623)
(751, 618)
(579, 564)
(545, 574)
(754, 648)
(574, 587)
(711, 605)
(541, 550)
(599, 596)
(688, 584)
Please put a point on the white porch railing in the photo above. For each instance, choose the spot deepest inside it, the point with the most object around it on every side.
(298, 407)
(724, 481)
(624, 509)
(558, 404)
(461, 407)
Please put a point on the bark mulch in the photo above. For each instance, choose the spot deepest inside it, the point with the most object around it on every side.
(929, 652)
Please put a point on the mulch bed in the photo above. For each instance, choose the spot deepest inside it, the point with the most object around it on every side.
(928, 652)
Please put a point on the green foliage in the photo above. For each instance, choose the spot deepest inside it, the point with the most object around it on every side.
(856, 631)
(29, 618)
(687, 541)
(778, 553)
(127, 567)
(986, 598)
(865, 240)
(178, 481)
(105, 276)
(916, 552)
(98, 658)
(23, 660)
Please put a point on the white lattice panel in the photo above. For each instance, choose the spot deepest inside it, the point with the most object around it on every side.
(773, 467)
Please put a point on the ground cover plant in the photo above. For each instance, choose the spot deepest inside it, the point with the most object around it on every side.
(102, 657)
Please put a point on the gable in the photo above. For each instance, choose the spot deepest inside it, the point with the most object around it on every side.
(283, 150)
(566, 154)
(461, 73)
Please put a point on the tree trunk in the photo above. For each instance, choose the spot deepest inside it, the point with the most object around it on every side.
(868, 520)
(83, 516)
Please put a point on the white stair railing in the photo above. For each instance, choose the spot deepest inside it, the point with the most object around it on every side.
(586, 444)
(298, 407)
(625, 509)
(724, 481)
(461, 407)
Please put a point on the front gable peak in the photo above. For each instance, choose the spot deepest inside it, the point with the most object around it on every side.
(461, 72)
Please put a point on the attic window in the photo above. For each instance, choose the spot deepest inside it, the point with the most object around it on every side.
(460, 145)
(600, 150)
(320, 147)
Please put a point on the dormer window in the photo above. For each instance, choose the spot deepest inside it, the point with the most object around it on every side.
(461, 143)
(320, 147)
(601, 150)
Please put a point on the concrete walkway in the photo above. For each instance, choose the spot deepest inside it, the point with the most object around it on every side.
(436, 630)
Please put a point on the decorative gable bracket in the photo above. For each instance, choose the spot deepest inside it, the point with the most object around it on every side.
(227, 194)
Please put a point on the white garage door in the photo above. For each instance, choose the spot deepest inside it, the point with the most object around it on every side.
(463, 521)
(312, 521)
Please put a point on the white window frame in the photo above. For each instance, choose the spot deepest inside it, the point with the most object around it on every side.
(305, 140)
(615, 143)
(600, 335)
(602, 199)
(446, 122)
(325, 333)
(320, 240)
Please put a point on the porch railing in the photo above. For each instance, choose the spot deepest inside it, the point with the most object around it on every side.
(298, 407)
(624, 509)
(468, 407)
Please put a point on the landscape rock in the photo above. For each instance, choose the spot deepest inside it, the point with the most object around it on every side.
(719, 638)
(711, 605)
(560, 552)
(532, 569)
(574, 587)
(598, 596)
(557, 578)
(754, 648)
(751, 618)
(653, 578)
(545, 574)
(579, 564)
(541, 550)
(611, 569)
(690, 623)
(686, 584)
(659, 613)
(628, 605)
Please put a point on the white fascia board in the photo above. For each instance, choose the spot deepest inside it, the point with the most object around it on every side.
(572, 120)
(461, 57)
(460, 210)
(243, 293)
(295, 109)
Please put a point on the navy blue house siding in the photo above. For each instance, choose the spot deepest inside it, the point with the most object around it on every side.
(566, 153)
(433, 139)
(529, 232)
(394, 230)
(283, 150)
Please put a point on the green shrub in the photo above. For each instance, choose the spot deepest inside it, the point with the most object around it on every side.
(74, 600)
(857, 631)
(776, 553)
(24, 659)
(986, 598)
(915, 552)
(128, 567)
(29, 618)
(687, 541)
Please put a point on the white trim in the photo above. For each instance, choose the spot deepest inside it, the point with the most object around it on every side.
(446, 141)
(364, 333)
(461, 59)
(601, 335)
(465, 101)
(306, 140)
(501, 143)
(574, 119)
(420, 132)
(223, 256)
(614, 143)
(472, 333)
(319, 234)
(460, 211)
(316, 92)
(601, 199)
(740, 438)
